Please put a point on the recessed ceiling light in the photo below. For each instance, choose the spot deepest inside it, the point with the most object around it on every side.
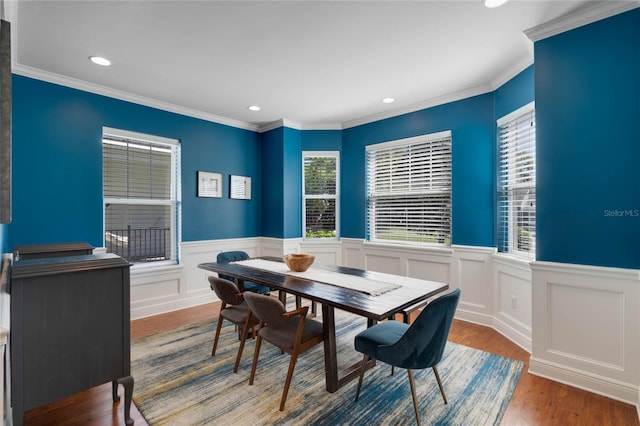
(100, 61)
(494, 3)
(388, 100)
(253, 108)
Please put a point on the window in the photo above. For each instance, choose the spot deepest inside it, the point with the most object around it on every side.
(141, 191)
(409, 190)
(517, 183)
(320, 192)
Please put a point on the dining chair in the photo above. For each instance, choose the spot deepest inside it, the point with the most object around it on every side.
(234, 256)
(292, 332)
(234, 309)
(416, 346)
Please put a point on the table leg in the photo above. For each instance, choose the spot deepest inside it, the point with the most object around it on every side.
(334, 379)
(330, 356)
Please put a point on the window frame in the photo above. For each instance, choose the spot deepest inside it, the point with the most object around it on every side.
(335, 197)
(506, 224)
(432, 195)
(174, 202)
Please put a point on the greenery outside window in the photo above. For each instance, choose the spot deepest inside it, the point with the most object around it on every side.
(141, 193)
(320, 194)
(409, 190)
(517, 183)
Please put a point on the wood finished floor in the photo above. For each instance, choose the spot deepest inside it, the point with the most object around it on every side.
(536, 401)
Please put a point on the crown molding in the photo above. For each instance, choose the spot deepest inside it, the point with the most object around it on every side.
(322, 126)
(125, 96)
(283, 122)
(588, 15)
(440, 100)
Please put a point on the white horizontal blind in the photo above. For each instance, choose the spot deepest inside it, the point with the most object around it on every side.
(141, 197)
(409, 190)
(320, 194)
(517, 184)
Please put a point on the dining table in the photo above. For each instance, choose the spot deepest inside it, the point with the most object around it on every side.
(373, 295)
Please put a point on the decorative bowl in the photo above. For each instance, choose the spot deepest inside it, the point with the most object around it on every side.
(298, 262)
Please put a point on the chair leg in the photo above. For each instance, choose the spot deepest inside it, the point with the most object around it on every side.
(287, 383)
(256, 353)
(362, 368)
(215, 340)
(413, 395)
(435, 370)
(243, 339)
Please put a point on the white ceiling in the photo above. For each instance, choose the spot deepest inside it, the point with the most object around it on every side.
(319, 64)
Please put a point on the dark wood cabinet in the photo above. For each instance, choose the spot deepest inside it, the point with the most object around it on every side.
(70, 328)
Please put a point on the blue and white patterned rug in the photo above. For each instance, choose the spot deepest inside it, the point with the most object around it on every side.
(179, 383)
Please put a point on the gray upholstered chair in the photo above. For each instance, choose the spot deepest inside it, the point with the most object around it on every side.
(292, 332)
(234, 309)
(234, 256)
(416, 346)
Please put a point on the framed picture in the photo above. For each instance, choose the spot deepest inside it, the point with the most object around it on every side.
(240, 187)
(209, 184)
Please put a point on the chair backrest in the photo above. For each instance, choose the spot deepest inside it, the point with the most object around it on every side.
(225, 290)
(423, 343)
(267, 309)
(231, 256)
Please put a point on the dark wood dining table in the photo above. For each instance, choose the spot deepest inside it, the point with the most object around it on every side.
(374, 308)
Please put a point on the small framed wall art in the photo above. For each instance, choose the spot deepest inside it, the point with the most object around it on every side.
(209, 184)
(240, 187)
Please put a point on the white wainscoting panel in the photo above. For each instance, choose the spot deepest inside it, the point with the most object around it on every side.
(472, 274)
(586, 328)
(513, 304)
(327, 252)
(581, 323)
(352, 253)
(168, 288)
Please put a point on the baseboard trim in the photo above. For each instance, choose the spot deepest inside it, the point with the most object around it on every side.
(623, 392)
(150, 310)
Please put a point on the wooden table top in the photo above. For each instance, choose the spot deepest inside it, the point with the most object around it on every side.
(373, 307)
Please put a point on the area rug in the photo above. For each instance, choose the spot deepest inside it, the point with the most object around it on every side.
(179, 383)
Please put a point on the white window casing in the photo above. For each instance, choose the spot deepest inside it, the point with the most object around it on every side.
(409, 190)
(141, 194)
(517, 183)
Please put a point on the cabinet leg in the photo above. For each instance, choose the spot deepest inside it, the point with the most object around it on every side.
(114, 391)
(127, 383)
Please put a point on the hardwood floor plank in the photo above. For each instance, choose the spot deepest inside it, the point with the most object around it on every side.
(535, 402)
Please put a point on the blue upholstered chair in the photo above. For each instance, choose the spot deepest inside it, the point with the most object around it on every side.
(292, 332)
(234, 256)
(234, 309)
(416, 346)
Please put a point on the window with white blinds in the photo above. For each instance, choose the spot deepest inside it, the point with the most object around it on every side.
(409, 190)
(320, 193)
(517, 183)
(141, 195)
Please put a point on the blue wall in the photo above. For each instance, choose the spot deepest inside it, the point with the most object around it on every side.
(587, 89)
(472, 124)
(292, 187)
(587, 97)
(321, 140)
(57, 163)
(515, 93)
(272, 187)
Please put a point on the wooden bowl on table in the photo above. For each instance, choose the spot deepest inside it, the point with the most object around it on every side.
(298, 262)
